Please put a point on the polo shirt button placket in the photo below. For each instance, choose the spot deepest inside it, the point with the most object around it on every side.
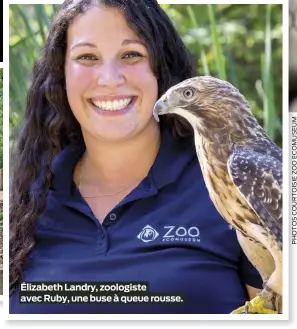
(112, 216)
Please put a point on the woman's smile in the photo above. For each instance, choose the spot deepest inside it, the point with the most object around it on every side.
(113, 105)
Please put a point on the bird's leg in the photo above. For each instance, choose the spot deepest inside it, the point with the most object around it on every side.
(271, 293)
(272, 289)
(268, 300)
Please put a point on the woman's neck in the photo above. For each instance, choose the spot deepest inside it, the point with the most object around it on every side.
(118, 163)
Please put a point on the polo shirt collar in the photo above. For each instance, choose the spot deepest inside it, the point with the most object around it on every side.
(171, 160)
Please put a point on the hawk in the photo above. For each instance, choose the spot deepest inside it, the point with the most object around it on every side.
(242, 170)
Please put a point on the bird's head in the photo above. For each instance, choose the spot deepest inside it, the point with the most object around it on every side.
(205, 102)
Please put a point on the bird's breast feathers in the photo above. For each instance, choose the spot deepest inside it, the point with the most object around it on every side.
(222, 191)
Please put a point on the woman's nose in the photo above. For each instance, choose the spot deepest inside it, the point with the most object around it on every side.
(110, 75)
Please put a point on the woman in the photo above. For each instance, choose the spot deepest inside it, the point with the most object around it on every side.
(107, 194)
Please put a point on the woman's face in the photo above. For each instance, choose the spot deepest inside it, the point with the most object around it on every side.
(110, 85)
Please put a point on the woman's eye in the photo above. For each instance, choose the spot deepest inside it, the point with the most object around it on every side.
(87, 57)
(132, 54)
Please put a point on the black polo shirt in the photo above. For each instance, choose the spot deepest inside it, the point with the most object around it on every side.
(165, 232)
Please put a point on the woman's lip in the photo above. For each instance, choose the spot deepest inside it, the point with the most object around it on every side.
(110, 98)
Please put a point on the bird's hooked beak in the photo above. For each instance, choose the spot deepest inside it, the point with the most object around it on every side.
(161, 107)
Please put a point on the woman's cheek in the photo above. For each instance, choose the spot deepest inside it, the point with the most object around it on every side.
(141, 75)
(78, 76)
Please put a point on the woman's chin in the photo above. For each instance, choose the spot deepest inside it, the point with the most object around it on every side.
(114, 134)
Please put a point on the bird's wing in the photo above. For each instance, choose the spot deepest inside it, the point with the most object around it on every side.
(258, 178)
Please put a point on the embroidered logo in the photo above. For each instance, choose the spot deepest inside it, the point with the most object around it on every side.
(171, 233)
(180, 233)
(148, 234)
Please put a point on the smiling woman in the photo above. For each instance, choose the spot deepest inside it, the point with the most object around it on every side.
(103, 192)
(108, 75)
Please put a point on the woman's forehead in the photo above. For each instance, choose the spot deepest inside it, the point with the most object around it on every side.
(100, 23)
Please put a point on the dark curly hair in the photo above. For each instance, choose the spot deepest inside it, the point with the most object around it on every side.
(49, 124)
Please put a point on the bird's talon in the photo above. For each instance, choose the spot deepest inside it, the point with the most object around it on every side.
(255, 306)
(246, 308)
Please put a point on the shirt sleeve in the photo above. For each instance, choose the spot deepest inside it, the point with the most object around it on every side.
(249, 273)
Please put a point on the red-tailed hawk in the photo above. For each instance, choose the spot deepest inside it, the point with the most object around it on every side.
(242, 169)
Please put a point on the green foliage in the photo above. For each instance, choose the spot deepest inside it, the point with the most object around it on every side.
(241, 43)
(28, 31)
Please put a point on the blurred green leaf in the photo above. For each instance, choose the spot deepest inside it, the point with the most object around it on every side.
(218, 54)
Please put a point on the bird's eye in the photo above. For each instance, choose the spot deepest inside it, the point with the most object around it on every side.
(189, 93)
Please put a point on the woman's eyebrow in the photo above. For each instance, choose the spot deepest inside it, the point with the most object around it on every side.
(137, 41)
(125, 42)
(83, 44)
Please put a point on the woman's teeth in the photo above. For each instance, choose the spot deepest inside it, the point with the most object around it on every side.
(113, 105)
